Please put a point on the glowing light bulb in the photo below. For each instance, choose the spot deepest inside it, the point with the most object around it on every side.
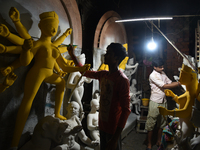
(151, 45)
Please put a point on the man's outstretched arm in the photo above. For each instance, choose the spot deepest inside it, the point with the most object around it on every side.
(70, 49)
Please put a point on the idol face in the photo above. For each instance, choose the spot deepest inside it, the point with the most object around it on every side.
(49, 27)
(74, 109)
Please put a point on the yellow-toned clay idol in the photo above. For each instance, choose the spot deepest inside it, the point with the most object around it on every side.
(46, 55)
(188, 77)
(103, 67)
(122, 65)
(19, 42)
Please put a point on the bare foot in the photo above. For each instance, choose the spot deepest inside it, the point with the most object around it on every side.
(60, 117)
(158, 143)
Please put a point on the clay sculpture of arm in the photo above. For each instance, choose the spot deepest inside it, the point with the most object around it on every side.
(85, 139)
(26, 54)
(4, 31)
(130, 66)
(14, 65)
(59, 41)
(68, 62)
(66, 68)
(10, 49)
(183, 111)
(134, 66)
(87, 80)
(59, 71)
(62, 49)
(171, 94)
(70, 81)
(76, 129)
(9, 80)
(15, 17)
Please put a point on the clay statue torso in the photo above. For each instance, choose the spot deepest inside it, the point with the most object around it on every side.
(45, 54)
(94, 118)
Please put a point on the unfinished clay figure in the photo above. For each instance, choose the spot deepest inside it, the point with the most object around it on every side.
(46, 131)
(188, 77)
(92, 121)
(135, 96)
(69, 140)
(79, 89)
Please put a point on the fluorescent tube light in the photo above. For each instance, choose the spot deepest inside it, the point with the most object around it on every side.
(143, 19)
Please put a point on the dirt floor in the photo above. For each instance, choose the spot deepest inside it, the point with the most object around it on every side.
(136, 141)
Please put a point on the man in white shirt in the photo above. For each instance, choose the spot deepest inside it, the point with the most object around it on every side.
(159, 82)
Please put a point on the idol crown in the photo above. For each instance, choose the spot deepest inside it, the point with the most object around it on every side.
(48, 15)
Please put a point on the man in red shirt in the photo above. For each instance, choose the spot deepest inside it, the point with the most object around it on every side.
(114, 97)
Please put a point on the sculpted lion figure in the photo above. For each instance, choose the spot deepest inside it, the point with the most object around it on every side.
(47, 130)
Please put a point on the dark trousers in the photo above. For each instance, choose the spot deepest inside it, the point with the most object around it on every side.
(104, 138)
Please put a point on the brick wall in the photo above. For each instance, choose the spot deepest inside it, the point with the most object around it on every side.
(178, 33)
